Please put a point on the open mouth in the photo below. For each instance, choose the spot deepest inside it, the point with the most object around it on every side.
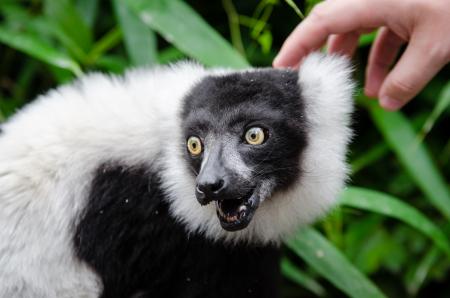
(236, 214)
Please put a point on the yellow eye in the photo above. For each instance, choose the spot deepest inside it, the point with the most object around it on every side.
(255, 136)
(194, 145)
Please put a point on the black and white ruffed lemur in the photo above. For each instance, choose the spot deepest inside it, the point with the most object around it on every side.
(176, 181)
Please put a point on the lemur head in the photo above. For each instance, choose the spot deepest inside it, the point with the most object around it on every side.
(265, 149)
(245, 133)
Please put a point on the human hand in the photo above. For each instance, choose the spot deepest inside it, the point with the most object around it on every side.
(423, 24)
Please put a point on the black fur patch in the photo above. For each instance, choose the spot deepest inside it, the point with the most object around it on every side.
(233, 103)
(128, 237)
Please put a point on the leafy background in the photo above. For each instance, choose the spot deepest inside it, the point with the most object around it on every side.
(390, 235)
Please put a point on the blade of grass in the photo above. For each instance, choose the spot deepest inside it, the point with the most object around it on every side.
(250, 22)
(87, 10)
(110, 63)
(233, 24)
(297, 10)
(373, 155)
(37, 48)
(265, 41)
(19, 19)
(445, 154)
(333, 227)
(107, 42)
(24, 80)
(14, 16)
(432, 91)
(360, 231)
(442, 104)
(373, 251)
(367, 39)
(46, 26)
(9, 106)
(65, 16)
(263, 19)
(321, 255)
(417, 277)
(61, 76)
(140, 41)
(170, 54)
(259, 9)
(291, 272)
(378, 202)
(192, 35)
(414, 157)
(2, 116)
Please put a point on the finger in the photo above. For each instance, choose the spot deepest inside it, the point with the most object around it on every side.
(382, 55)
(417, 66)
(344, 44)
(329, 17)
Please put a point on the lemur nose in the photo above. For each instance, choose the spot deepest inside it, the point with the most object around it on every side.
(210, 189)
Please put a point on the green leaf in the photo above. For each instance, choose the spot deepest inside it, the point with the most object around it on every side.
(88, 11)
(321, 255)
(24, 81)
(170, 54)
(369, 157)
(416, 278)
(373, 251)
(46, 26)
(8, 106)
(367, 39)
(443, 102)
(14, 16)
(294, 274)
(140, 41)
(37, 48)
(359, 232)
(333, 227)
(265, 40)
(414, 157)
(297, 10)
(64, 15)
(233, 24)
(107, 42)
(2, 116)
(433, 90)
(387, 205)
(116, 64)
(180, 25)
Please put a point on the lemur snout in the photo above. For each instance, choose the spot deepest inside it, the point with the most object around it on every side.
(213, 179)
(212, 182)
(209, 190)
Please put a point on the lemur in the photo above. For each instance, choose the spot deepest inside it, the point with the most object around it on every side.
(173, 181)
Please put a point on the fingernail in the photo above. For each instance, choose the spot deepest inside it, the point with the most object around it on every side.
(391, 104)
(370, 92)
(373, 85)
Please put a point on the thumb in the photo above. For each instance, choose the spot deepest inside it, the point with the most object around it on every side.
(417, 66)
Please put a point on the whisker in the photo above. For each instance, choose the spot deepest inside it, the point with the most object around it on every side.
(193, 170)
(274, 171)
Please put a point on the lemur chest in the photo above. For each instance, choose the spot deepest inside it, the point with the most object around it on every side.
(128, 237)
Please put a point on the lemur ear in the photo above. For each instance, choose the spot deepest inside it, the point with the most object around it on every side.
(327, 88)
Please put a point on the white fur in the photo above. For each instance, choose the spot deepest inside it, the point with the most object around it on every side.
(48, 153)
(50, 150)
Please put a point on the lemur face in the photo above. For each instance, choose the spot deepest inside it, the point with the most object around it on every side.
(244, 134)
